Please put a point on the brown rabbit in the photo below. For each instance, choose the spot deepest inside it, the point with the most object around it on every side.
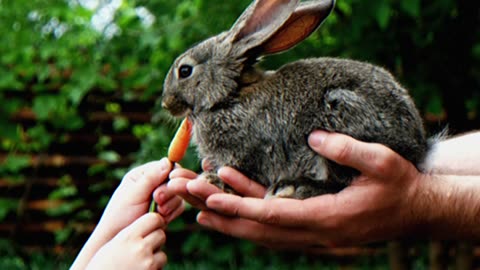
(258, 121)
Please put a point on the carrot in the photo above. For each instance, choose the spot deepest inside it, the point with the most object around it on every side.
(179, 144)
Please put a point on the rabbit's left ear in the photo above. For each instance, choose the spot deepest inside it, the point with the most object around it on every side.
(304, 21)
(259, 22)
(271, 26)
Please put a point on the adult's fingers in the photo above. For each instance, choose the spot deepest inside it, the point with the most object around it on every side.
(264, 234)
(279, 211)
(183, 173)
(179, 187)
(240, 183)
(202, 189)
(371, 159)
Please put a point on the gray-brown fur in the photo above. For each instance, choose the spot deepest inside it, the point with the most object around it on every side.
(258, 122)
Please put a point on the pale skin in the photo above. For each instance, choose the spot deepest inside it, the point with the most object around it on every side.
(390, 199)
(127, 236)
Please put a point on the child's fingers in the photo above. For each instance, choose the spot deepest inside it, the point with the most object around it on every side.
(146, 224)
(142, 180)
(155, 240)
(162, 194)
(160, 259)
(167, 207)
(175, 213)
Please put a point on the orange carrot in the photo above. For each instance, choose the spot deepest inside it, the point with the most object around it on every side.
(179, 144)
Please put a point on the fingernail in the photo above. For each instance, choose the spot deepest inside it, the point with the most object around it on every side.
(161, 197)
(165, 211)
(164, 164)
(202, 220)
(317, 137)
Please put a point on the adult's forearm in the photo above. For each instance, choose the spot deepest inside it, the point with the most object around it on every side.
(459, 155)
(449, 207)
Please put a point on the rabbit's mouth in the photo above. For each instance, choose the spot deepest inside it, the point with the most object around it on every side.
(178, 107)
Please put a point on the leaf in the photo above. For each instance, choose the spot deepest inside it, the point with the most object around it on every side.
(82, 81)
(113, 107)
(8, 81)
(65, 208)
(120, 123)
(411, 7)
(10, 131)
(63, 192)
(45, 106)
(109, 156)
(6, 206)
(15, 163)
(383, 14)
(40, 136)
(61, 236)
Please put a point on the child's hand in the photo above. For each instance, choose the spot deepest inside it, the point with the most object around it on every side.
(169, 205)
(138, 246)
(130, 201)
(133, 196)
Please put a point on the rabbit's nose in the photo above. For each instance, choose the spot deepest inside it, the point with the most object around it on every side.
(168, 101)
(164, 105)
(175, 105)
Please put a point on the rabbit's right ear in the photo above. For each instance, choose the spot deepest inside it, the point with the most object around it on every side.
(258, 22)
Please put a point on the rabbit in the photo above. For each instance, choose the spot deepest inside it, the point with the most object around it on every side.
(258, 121)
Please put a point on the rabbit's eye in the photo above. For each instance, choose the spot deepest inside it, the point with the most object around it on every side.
(185, 71)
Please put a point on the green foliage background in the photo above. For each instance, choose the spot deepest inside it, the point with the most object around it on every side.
(52, 57)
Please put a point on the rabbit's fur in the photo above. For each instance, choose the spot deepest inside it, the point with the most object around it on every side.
(258, 121)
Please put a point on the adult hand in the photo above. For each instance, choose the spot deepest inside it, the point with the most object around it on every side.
(376, 206)
(194, 188)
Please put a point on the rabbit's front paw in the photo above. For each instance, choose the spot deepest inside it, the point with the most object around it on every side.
(213, 179)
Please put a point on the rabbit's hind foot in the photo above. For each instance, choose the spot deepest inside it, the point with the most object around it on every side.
(302, 188)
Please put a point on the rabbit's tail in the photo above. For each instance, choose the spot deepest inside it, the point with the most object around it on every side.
(439, 137)
(427, 165)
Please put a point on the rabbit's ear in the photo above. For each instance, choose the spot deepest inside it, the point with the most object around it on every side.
(306, 18)
(258, 22)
